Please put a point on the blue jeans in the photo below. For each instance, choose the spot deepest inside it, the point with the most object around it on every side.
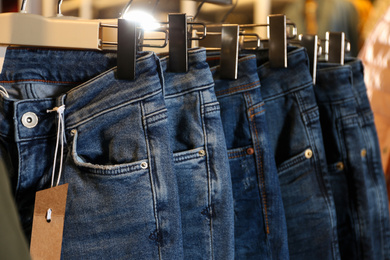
(260, 225)
(200, 158)
(123, 197)
(358, 200)
(345, 154)
(297, 144)
(379, 236)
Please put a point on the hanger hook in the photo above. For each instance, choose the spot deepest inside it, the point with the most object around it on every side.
(59, 13)
(23, 8)
(126, 8)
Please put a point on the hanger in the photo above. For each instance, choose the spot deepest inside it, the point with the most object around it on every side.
(229, 40)
(35, 30)
(335, 47)
(313, 48)
(277, 38)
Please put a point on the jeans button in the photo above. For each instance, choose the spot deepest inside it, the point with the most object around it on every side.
(340, 166)
(363, 152)
(30, 120)
(308, 153)
(144, 165)
(250, 151)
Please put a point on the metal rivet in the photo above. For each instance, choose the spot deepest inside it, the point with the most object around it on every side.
(29, 119)
(363, 152)
(144, 165)
(340, 166)
(73, 132)
(202, 153)
(308, 153)
(250, 151)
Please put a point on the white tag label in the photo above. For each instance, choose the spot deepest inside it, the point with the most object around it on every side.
(2, 57)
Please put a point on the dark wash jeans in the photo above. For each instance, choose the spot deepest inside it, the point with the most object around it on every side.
(359, 201)
(376, 180)
(123, 198)
(200, 157)
(296, 141)
(260, 224)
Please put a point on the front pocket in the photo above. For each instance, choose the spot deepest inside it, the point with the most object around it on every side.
(295, 160)
(106, 169)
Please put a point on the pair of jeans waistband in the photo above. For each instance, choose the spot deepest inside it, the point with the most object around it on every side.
(196, 78)
(247, 80)
(336, 83)
(92, 73)
(288, 79)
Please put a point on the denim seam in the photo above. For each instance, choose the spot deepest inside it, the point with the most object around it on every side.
(39, 80)
(178, 157)
(259, 161)
(104, 170)
(211, 107)
(300, 158)
(193, 89)
(153, 188)
(355, 213)
(238, 89)
(118, 106)
(208, 172)
(238, 152)
(372, 171)
(284, 93)
(320, 179)
(157, 116)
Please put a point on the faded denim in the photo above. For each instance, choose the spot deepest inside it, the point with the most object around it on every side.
(123, 198)
(260, 225)
(200, 158)
(296, 141)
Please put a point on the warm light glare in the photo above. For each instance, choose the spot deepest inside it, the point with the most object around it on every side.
(144, 19)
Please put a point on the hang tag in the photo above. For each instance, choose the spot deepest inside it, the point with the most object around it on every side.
(3, 50)
(48, 223)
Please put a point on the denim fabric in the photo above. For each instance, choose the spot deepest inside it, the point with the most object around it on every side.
(345, 154)
(260, 225)
(296, 141)
(375, 180)
(200, 158)
(122, 200)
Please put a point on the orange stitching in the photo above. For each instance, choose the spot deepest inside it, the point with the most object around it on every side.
(260, 167)
(253, 108)
(39, 80)
(241, 87)
(242, 154)
(257, 113)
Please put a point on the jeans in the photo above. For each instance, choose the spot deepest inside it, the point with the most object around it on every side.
(380, 233)
(345, 154)
(260, 225)
(123, 198)
(297, 144)
(200, 160)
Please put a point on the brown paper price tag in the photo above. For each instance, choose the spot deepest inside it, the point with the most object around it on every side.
(48, 223)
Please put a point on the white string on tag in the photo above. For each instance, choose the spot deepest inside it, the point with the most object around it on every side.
(60, 139)
(3, 91)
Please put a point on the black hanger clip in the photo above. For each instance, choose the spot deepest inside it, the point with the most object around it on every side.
(127, 49)
(277, 41)
(178, 43)
(335, 47)
(229, 51)
(310, 42)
